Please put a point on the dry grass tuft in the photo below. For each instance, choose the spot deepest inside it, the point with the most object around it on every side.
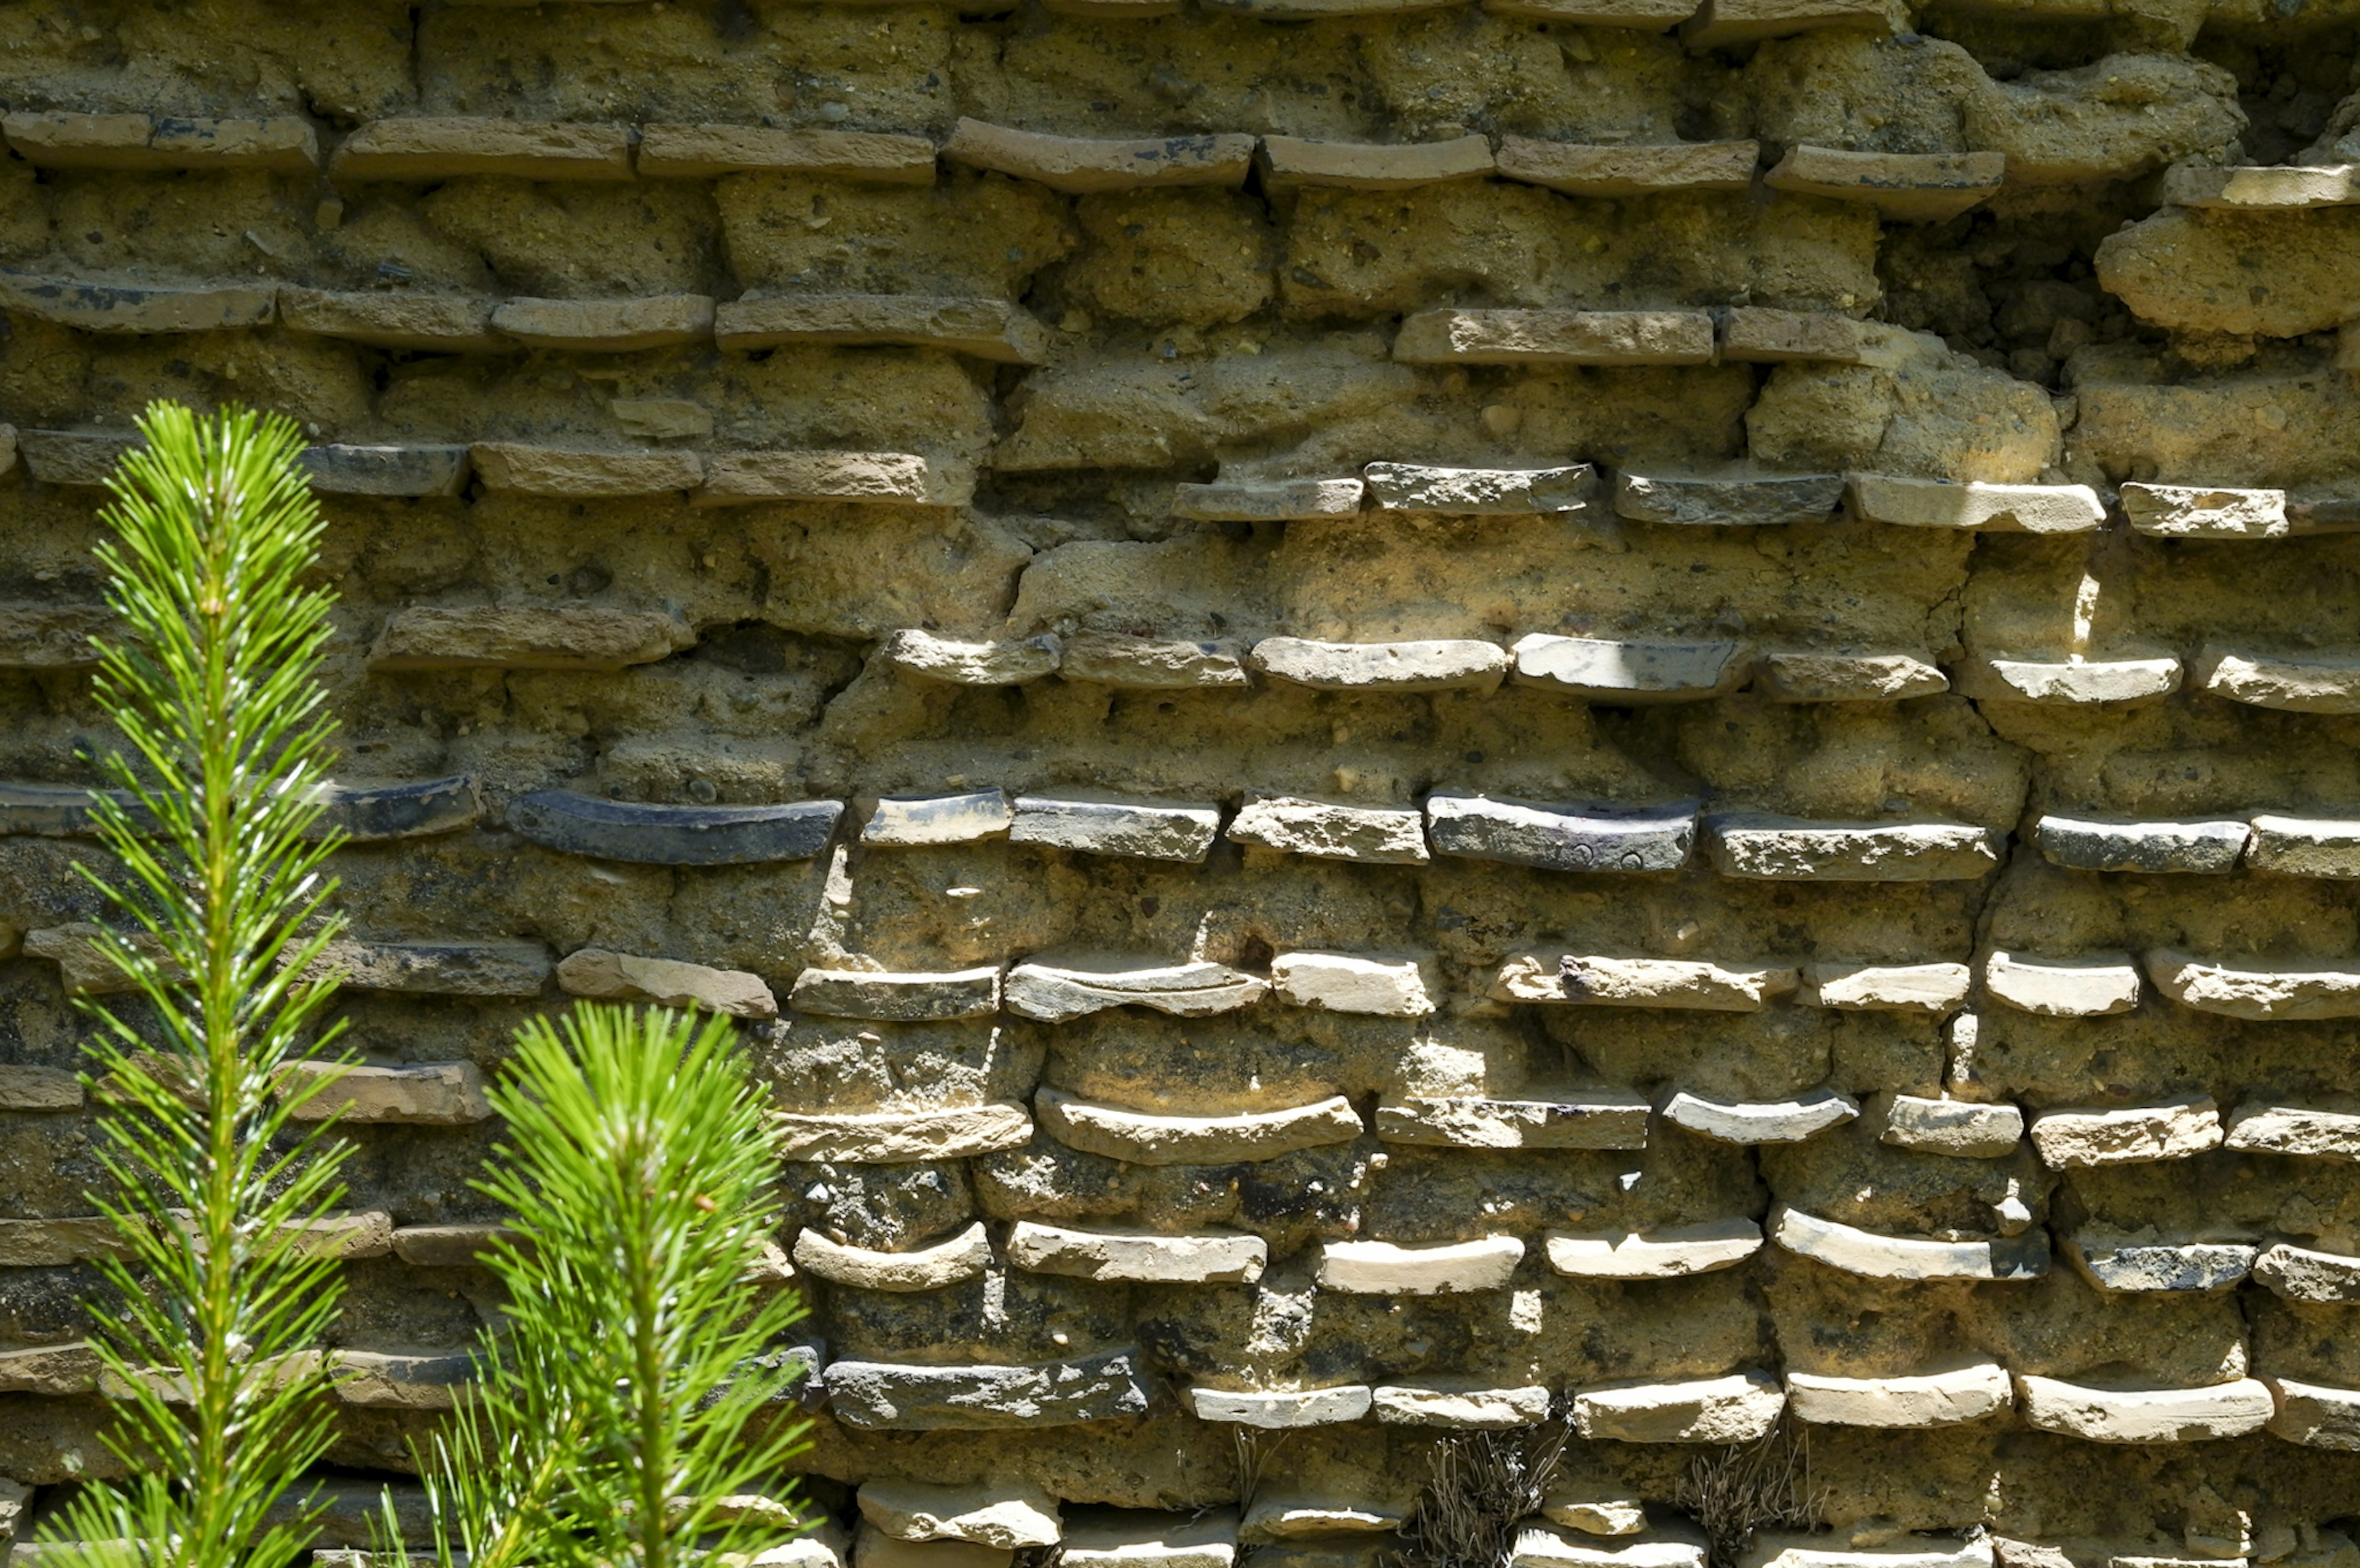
(1737, 1492)
(1480, 1488)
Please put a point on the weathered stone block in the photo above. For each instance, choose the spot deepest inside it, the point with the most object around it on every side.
(2119, 1263)
(1805, 675)
(1617, 672)
(57, 1371)
(2070, 681)
(1563, 838)
(73, 457)
(872, 1548)
(1354, 983)
(434, 1093)
(2203, 847)
(1878, 1257)
(1556, 337)
(1465, 1409)
(1594, 1509)
(607, 326)
(2143, 1415)
(2305, 846)
(883, 1396)
(2077, 1140)
(1140, 1257)
(705, 151)
(2302, 1274)
(1595, 1118)
(1385, 1269)
(383, 1380)
(1903, 187)
(989, 330)
(439, 968)
(2258, 988)
(1289, 161)
(1015, 1516)
(898, 478)
(1601, 981)
(1886, 987)
(1674, 1252)
(2292, 683)
(1326, 831)
(1998, 508)
(1055, 993)
(1145, 829)
(2295, 1130)
(1929, 1399)
(1959, 1127)
(435, 323)
(1280, 1410)
(603, 975)
(1479, 492)
(1758, 845)
(577, 473)
(2089, 985)
(426, 150)
(1752, 501)
(447, 1247)
(133, 309)
(905, 823)
(2190, 511)
(902, 1137)
(1762, 1121)
(896, 997)
(1143, 1138)
(1617, 169)
(572, 637)
(1738, 1408)
(1758, 335)
(964, 1257)
(1154, 664)
(2315, 1416)
(38, 1089)
(1538, 1546)
(1136, 1539)
(1006, 663)
(1771, 1551)
(387, 470)
(1080, 165)
(674, 835)
(1432, 665)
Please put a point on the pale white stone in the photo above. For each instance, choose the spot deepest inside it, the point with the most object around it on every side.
(1280, 1408)
(2085, 986)
(2296, 1129)
(1767, 1121)
(2305, 846)
(1544, 1546)
(2302, 1274)
(1144, 1138)
(1434, 665)
(1199, 1259)
(2315, 1415)
(1934, 1398)
(1586, 1118)
(2257, 989)
(1075, 985)
(1494, 1409)
(2072, 1140)
(1886, 987)
(1879, 1256)
(2294, 683)
(1909, 1552)
(898, 1137)
(1758, 845)
(2075, 682)
(1130, 1537)
(1277, 1515)
(1961, 1128)
(1611, 671)
(2196, 511)
(1598, 980)
(872, 1548)
(2000, 508)
(1004, 663)
(1326, 831)
(1006, 1513)
(963, 1256)
(1738, 1408)
(1386, 986)
(915, 821)
(1595, 1513)
(2143, 1415)
(1387, 1269)
(624, 976)
(1670, 1253)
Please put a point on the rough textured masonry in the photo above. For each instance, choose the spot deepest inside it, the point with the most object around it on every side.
(1390, 720)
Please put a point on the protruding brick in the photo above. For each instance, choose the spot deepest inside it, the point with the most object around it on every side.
(2070, 681)
(2303, 1274)
(1479, 492)
(1905, 186)
(1808, 675)
(2305, 846)
(1909, 1552)
(1280, 1410)
(2075, 1140)
(963, 1256)
(703, 152)
(2314, 1415)
(605, 975)
(650, 834)
(1562, 838)
(897, 478)
(1589, 1118)
(284, 144)
(74, 457)
(531, 470)
(1542, 1546)
(1673, 1252)
(1748, 501)
(1326, 831)
(54, 1242)
(2117, 1263)
(1007, 1514)
(1758, 845)
(1756, 334)
(1142, 830)
(527, 637)
(1269, 501)
(1135, 1539)
(447, 1247)
(607, 326)
(2143, 1415)
(375, 1379)
(1594, 1509)
(1056, 993)
(2258, 988)
(1142, 1138)
(56, 1371)
(1879, 1256)
(2086, 987)
(1962, 1128)
(902, 1137)
(1145, 1258)
(1618, 671)
(1723, 23)
(1925, 1400)
(431, 1094)
(2206, 512)
(1155, 664)
(1599, 980)
(1082, 165)
(2199, 847)
(439, 968)
(989, 330)
(1886, 987)
(1761, 1121)
(1454, 336)
(875, 1395)
(2265, 188)
(38, 1089)
(341, 470)
(1738, 1408)
(1444, 665)
(1387, 1268)
(914, 822)
(133, 309)
(433, 323)
(2306, 1130)
(423, 149)
(1375, 984)
(1291, 161)
(897, 997)
(1993, 509)
(1467, 1409)
(1618, 169)
(1009, 661)
(2291, 683)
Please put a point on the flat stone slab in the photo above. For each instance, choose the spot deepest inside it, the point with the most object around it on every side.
(2258, 988)
(1758, 845)
(369, 813)
(1442, 665)
(1010, 661)
(1280, 1410)
(54, 1371)
(1479, 492)
(1962, 1128)
(674, 835)
(428, 323)
(1886, 987)
(1464, 1410)
(85, 968)
(1618, 671)
(902, 1137)
(285, 144)
(1761, 1121)
(2117, 1263)
(897, 997)
(1811, 675)
(1434, 1269)
(1596, 980)
(1738, 1408)
(2305, 846)
(447, 1247)
(53, 637)
(911, 822)
(135, 309)
(2070, 682)
(607, 326)
(1544, 1546)
(1141, 1138)
(431, 149)
(990, 330)
(1155, 664)
(875, 1395)
(2304, 1274)
(885, 478)
(1289, 162)
(2295, 1130)
(706, 151)
(1927, 1399)
(1584, 169)
(1139, 1256)
(2206, 512)
(2075, 1140)
(439, 968)
(1054, 994)
(430, 1094)
(1454, 336)
(54, 1243)
(1325, 831)
(1974, 504)
(1082, 165)
(392, 1380)
(1270, 500)
(1562, 838)
(1758, 335)
(569, 636)
(2288, 682)
(1129, 1538)
(2202, 847)
(583, 474)
(1381, 986)
(1909, 188)
(1674, 1252)
(2314, 1415)
(1318, 1520)
(1774, 1551)
(1142, 830)
(2262, 186)
(1752, 501)
(338, 469)
(1880, 1256)
(2086, 987)
(1004, 1514)
(1595, 1118)
(963, 1256)
(73, 457)
(26, 1088)
(605, 975)
(2143, 1415)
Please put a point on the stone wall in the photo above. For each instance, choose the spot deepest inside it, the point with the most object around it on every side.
(1391, 722)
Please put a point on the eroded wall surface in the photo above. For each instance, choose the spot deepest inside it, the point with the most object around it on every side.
(1389, 722)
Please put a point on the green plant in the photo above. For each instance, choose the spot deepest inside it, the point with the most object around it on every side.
(223, 1288)
(627, 1398)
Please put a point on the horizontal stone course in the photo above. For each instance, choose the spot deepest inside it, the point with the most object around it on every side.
(1596, 980)
(1199, 1258)
(945, 1263)
(1280, 1410)
(1758, 845)
(884, 1396)
(705, 151)
(1673, 1252)
(1915, 1400)
(1589, 1118)
(1145, 1138)
(1082, 166)
(1327, 831)
(1147, 829)
(2143, 1415)
(1076, 986)
(1878, 1257)
(647, 833)
(1562, 838)
(2203, 847)
(1287, 161)
(433, 148)
(897, 997)
(1388, 1269)
(2073, 1138)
